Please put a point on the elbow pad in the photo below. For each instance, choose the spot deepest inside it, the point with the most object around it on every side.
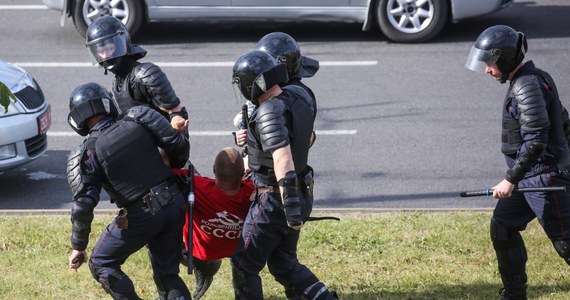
(525, 161)
(291, 203)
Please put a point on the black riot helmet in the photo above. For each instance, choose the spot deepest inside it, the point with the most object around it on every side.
(284, 49)
(108, 41)
(498, 45)
(255, 72)
(86, 101)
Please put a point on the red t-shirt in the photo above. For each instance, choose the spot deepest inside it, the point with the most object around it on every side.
(218, 219)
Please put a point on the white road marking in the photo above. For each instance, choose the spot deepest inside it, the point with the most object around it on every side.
(185, 64)
(217, 133)
(22, 7)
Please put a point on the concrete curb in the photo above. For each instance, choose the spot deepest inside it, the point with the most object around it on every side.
(316, 211)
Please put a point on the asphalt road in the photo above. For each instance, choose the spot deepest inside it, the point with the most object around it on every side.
(399, 126)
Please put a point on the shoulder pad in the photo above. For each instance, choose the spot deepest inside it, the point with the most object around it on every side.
(526, 86)
(271, 124)
(156, 86)
(74, 169)
(77, 173)
(531, 103)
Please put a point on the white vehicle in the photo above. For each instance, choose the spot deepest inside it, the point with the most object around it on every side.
(23, 126)
(404, 21)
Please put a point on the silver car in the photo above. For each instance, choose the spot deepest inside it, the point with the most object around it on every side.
(404, 21)
(24, 125)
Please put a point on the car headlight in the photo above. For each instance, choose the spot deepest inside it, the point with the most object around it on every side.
(7, 151)
(25, 81)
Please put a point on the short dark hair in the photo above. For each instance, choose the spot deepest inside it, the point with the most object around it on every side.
(228, 165)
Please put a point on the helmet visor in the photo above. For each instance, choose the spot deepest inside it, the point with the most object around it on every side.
(239, 96)
(478, 60)
(108, 48)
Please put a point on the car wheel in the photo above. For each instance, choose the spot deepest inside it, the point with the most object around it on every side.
(128, 11)
(412, 21)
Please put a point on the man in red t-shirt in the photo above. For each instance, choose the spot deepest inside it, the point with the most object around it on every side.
(220, 207)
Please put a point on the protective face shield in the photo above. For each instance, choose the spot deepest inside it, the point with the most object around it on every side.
(498, 45)
(254, 73)
(107, 40)
(105, 51)
(478, 60)
(86, 101)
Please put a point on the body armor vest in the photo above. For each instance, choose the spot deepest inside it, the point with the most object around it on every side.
(122, 90)
(298, 116)
(128, 153)
(511, 135)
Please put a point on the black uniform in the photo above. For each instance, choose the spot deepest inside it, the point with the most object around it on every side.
(536, 151)
(266, 238)
(122, 157)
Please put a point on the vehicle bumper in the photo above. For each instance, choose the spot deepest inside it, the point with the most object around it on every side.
(463, 9)
(21, 140)
(54, 4)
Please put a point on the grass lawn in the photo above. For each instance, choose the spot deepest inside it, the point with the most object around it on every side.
(393, 255)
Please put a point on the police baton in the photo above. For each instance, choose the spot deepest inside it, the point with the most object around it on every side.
(244, 117)
(489, 192)
(189, 216)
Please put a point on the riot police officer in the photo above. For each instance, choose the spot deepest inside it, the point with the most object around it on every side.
(121, 155)
(285, 49)
(135, 83)
(278, 138)
(536, 151)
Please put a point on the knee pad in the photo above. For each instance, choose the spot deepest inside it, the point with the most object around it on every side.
(498, 231)
(563, 249)
(511, 254)
(114, 282)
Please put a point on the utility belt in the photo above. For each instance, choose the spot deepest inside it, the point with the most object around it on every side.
(541, 168)
(305, 184)
(158, 197)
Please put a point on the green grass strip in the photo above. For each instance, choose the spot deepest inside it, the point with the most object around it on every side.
(420, 255)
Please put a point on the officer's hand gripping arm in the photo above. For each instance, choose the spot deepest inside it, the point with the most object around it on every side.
(175, 145)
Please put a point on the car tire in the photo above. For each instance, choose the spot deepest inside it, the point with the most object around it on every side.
(131, 14)
(431, 17)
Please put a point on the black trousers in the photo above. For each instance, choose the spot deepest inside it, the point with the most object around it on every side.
(267, 239)
(162, 233)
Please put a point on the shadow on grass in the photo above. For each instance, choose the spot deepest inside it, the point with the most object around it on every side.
(482, 291)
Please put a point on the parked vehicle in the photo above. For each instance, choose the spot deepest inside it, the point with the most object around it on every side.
(24, 125)
(404, 21)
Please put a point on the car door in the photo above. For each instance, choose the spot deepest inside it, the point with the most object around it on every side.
(290, 3)
(186, 3)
